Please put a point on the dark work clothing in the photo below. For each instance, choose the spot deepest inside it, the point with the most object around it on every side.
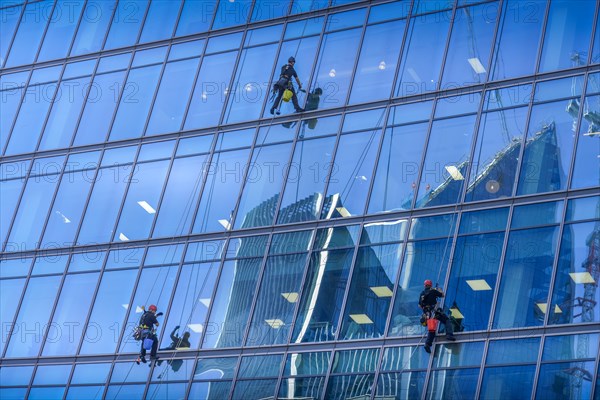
(149, 335)
(287, 73)
(148, 320)
(428, 302)
(428, 298)
(280, 95)
(177, 341)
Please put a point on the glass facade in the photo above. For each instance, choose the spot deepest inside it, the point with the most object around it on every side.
(451, 140)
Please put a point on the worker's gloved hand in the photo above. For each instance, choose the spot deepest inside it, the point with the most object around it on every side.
(159, 314)
(177, 327)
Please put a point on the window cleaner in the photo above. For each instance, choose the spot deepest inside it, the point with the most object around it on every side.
(284, 87)
(146, 333)
(432, 314)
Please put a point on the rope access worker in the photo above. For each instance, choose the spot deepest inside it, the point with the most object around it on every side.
(148, 322)
(285, 82)
(432, 313)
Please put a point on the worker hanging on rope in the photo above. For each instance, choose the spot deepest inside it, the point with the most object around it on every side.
(146, 332)
(284, 87)
(432, 313)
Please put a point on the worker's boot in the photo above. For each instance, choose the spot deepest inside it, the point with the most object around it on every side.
(427, 348)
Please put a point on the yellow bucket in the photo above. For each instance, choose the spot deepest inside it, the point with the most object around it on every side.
(287, 95)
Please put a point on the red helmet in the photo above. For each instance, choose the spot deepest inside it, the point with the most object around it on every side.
(428, 283)
(152, 307)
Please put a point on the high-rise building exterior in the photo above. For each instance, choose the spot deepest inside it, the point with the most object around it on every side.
(144, 162)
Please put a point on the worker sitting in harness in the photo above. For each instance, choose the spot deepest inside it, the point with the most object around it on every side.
(285, 83)
(431, 313)
(148, 322)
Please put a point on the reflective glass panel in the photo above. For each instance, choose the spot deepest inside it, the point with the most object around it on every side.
(537, 214)
(513, 351)
(444, 383)
(9, 197)
(12, 376)
(387, 231)
(10, 292)
(231, 308)
(583, 208)
(371, 291)
(508, 382)
(570, 347)
(398, 385)
(61, 28)
(321, 299)
(586, 172)
(497, 151)
(484, 220)
(277, 300)
(126, 23)
(196, 16)
(231, 13)
(92, 28)
(10, 18)
(446, 162)
(420, 67)
(160, 20)
(90, 373)
(341, 387)
(398, 168)
(524, 285)
(31, 29)
(468, 56)
(560, 381)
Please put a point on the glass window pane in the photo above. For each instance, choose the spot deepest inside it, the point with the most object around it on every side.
(154, 287)
(303, 194)
(10, 293)
(349, 185)
(513, 351)
(507, 382)
(573, 296)
(231, 307)
(423, 260)
(568, 31)
(67, 209)
(99, 108)
(496, 155)
(341, 387)
(125, 257)
(470, 354)
(519, 95)
(220, 191)
(9, 197)
(299, 388)
(339, 236)
(215, 368)
(565, 380)
(125, 392)
(32, 320)
(64, 333)
(91, 373)
(61, 28)
(321, 300)
(15, 267)
(125, 373)
(291, 242)
(335, 65)
(196, 16)
(298, 364)
(64, 116)
(172, 98)
(398, 168)
(126, 23)
(260, 366)
(210, 390)
(393, 10)
(258, 203)
(31, 28)
(570, 347)
(92, 28)
(518, 38)
(167, 390)
(468, 56)
(103, 207)
(473, 280)
(135, 103)
(89, 261)
(11, 100)
(586, 172)
(377, 63)
(548, 150)
(420, 69)
(10, 18)
(52, 374)
(142, 200)
(370, 291)
(388, 231)
(46, 393)
(360, 360)
(27, 130)
(301, 6)
(192, 48)
(248, 92)
(398, 385)
(276, 300)
(50, 264)
(210, 91)
(112, 301)
(523, 294)
(30, 219)
(181, 196)
(484, 220)
(266, 9)
(190, 305)
(160, 20)
(85, 392)
(445, 383)
(232, 13)
(446, 162)
(194, 145)
(12, 376)
(583, 208)
(404, 358)
(256, 389)
(537, 214)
